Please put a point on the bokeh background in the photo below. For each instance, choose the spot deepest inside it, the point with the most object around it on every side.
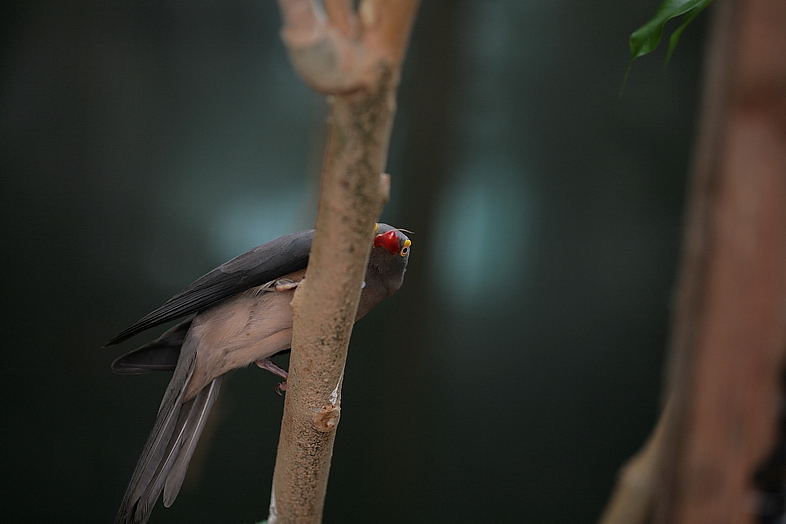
(519, 366)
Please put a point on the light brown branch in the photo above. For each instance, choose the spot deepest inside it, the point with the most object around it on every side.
(363, 80)
(343, 17)
(343, 51)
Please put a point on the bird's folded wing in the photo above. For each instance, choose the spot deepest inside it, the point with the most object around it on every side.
(160, 354)
(262, 264)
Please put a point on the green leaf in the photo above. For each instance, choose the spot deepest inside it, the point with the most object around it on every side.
(675, 36)
(646, 38)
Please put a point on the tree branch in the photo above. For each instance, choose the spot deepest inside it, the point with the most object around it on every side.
(356, 57)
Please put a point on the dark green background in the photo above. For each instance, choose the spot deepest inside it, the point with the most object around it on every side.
(145, 142)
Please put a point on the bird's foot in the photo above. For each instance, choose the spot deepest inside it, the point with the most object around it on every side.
(281, 388)
(284, 284)
(269, 365)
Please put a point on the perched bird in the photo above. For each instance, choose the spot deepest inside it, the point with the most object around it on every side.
(241, 315)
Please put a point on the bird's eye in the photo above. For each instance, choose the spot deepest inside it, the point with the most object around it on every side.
(404, 251)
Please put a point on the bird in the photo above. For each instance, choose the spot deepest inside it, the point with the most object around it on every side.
(237, 314)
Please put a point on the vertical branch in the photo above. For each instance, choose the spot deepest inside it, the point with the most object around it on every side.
(355, 57)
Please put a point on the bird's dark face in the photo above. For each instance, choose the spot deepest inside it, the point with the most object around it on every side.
(390, 254)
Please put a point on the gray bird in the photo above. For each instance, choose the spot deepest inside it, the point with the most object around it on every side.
(241, 315)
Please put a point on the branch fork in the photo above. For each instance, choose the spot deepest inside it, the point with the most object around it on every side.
(338, 50)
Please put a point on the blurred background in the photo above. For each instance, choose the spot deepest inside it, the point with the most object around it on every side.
(146, 142)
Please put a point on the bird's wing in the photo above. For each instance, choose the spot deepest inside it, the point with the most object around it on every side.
(160, 354)
(256, 267)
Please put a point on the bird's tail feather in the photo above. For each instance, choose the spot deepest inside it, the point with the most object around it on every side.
(194, 426)
(171, 443)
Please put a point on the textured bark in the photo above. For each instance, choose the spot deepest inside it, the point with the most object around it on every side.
(355, 57)
(729, 335)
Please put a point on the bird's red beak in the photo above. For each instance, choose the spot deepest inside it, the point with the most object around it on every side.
(387, 240)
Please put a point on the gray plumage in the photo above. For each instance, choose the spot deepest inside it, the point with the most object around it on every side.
(262, 264)
(239, 318)
(160, 354)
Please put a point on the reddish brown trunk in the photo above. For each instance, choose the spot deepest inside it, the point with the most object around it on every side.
(730, 337)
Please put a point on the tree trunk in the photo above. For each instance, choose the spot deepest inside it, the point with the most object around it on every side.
(729, 335)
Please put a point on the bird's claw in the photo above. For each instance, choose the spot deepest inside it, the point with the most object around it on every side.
(281, 388)
(269, 365)
(285, 284)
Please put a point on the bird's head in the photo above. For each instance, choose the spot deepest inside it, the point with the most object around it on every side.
(390, 253)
